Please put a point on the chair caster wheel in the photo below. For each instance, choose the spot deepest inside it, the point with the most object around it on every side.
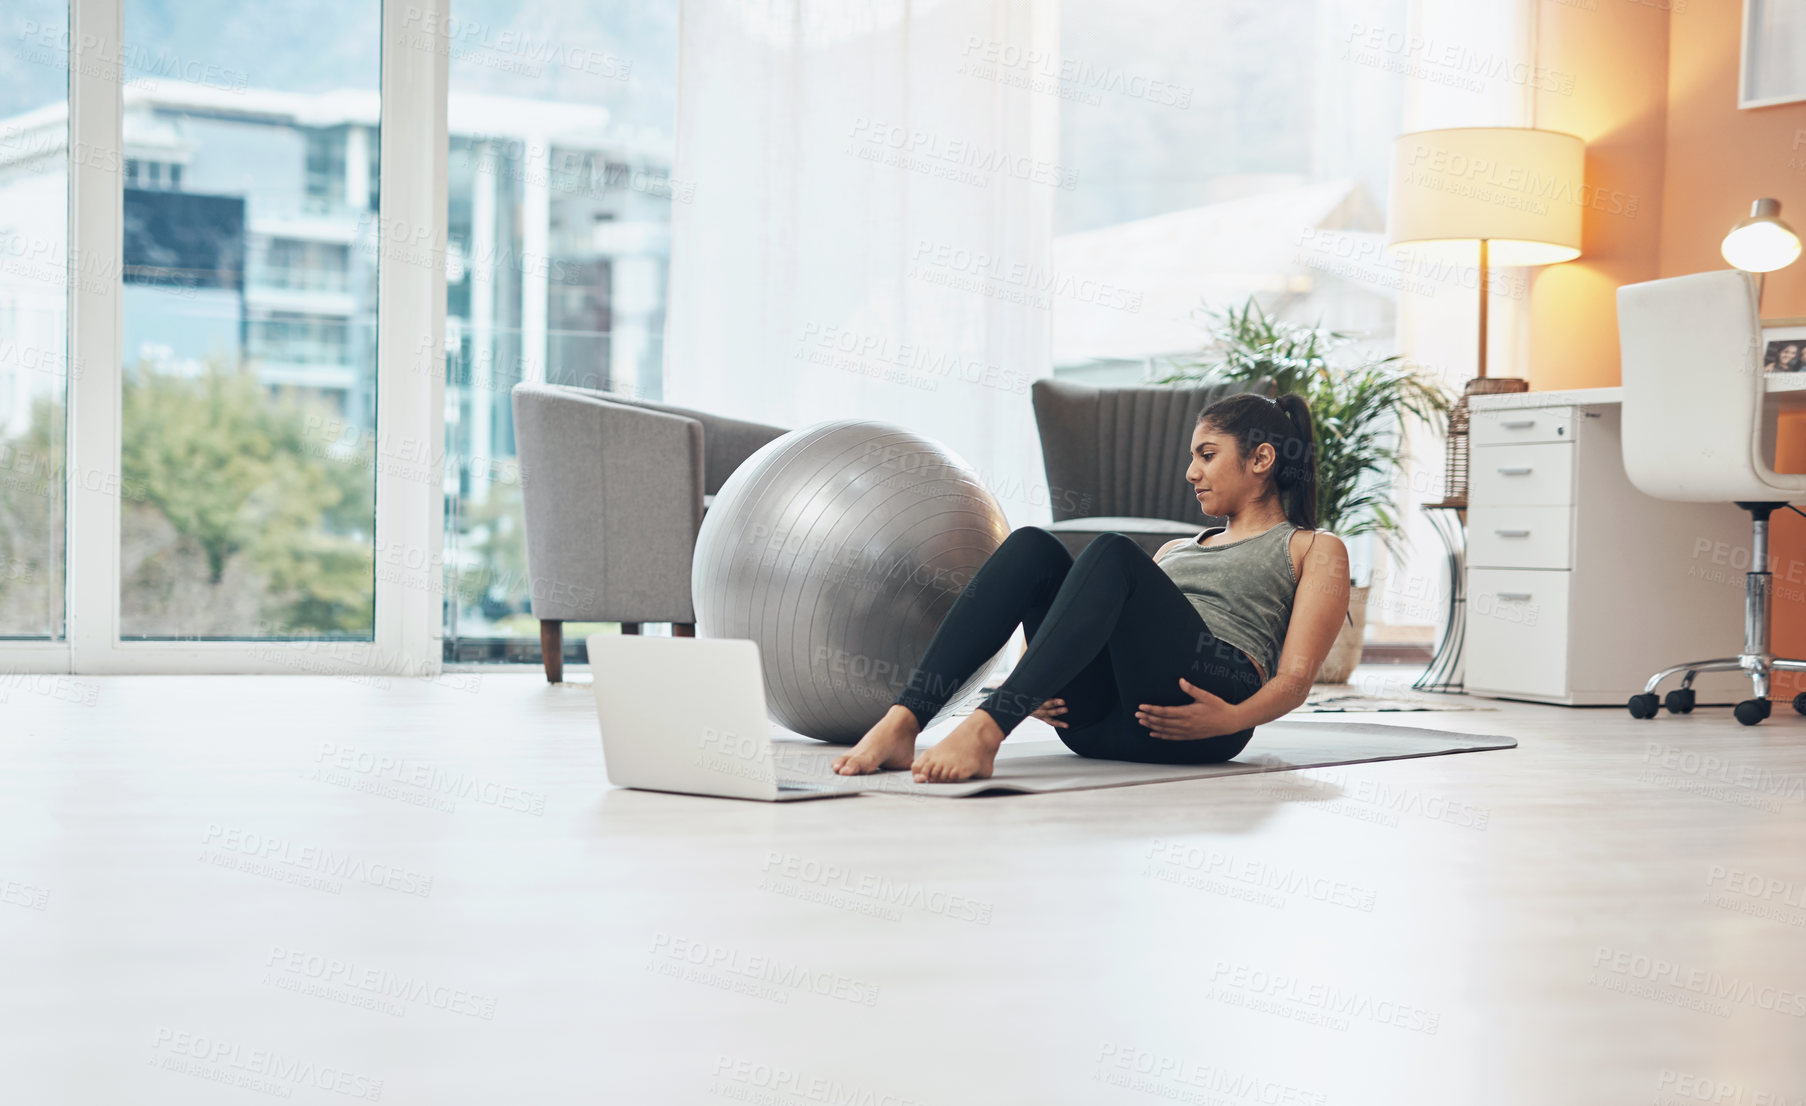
(1752, 711)
(1679, 701)
(1644, 705)
(1799, 702)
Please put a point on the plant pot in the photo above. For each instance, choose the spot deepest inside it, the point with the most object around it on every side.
(1345, 653)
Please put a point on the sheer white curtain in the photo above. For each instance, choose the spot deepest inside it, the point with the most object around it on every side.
(869, 192)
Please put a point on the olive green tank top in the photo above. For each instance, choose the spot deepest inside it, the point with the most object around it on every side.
(1243, 590)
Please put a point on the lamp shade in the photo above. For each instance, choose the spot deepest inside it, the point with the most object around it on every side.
(1522, 190)
(1762, 243)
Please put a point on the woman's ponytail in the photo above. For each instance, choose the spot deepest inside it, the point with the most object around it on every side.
(1295, 473)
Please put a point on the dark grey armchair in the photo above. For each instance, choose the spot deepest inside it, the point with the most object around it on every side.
(613, 490)
(1116, 455)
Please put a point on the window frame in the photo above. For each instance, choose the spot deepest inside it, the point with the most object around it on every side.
(410, 380)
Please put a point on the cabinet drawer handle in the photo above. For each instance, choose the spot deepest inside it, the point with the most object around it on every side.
(1512, 533)
(1517, 424)
(1514, 470)
(1514, 595)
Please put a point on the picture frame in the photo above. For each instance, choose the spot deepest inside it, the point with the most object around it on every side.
(1784, 346)
(1771, 62)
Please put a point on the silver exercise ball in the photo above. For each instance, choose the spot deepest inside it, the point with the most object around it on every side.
(839, 548)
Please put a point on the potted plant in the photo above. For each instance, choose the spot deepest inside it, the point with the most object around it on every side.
(1358, 402)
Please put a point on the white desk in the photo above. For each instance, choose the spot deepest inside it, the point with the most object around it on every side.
(1579, 586)
(1785, 392)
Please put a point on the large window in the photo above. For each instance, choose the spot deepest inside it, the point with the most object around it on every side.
(249, 310)
(1222, 151)
(196, 473)
(559, 214)
(1208, 141)
(34, 319)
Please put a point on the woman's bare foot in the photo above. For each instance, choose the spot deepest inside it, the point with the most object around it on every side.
(968, 753)
(890, 743)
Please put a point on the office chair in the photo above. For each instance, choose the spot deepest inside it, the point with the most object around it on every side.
(1694, 431)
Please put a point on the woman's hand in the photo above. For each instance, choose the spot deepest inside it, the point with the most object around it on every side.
(1048, 711)
(1206, 715)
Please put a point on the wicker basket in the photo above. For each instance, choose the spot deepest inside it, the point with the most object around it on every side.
(1455, 487)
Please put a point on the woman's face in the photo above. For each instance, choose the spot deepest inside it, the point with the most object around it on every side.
(1789, 357)
(1223, 479)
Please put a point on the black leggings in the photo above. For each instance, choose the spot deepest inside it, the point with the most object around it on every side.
(1106, 633)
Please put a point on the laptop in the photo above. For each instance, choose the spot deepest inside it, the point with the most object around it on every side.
(687, 714)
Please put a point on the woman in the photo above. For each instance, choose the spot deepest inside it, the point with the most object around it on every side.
(1169, 660)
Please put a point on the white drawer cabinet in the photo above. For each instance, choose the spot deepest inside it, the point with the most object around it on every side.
(1579, 586)
(1523, 643)
(1523, 424)
(1521, 473)
(1510, 536)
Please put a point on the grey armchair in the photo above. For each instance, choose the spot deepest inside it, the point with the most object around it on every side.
(613, 490)
(1115, 458)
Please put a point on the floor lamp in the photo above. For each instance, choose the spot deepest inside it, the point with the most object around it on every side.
(1498, 195)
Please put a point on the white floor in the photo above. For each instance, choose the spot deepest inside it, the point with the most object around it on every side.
(232, 889)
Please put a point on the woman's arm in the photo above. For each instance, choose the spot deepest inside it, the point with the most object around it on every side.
(1318, 608)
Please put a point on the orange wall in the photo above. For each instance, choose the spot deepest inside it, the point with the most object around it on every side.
(1655, 96)
(1618, 103)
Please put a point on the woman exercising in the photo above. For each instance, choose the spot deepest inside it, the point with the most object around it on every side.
(1168, 660)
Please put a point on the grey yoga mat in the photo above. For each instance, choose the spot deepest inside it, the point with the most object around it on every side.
(1034, 767)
